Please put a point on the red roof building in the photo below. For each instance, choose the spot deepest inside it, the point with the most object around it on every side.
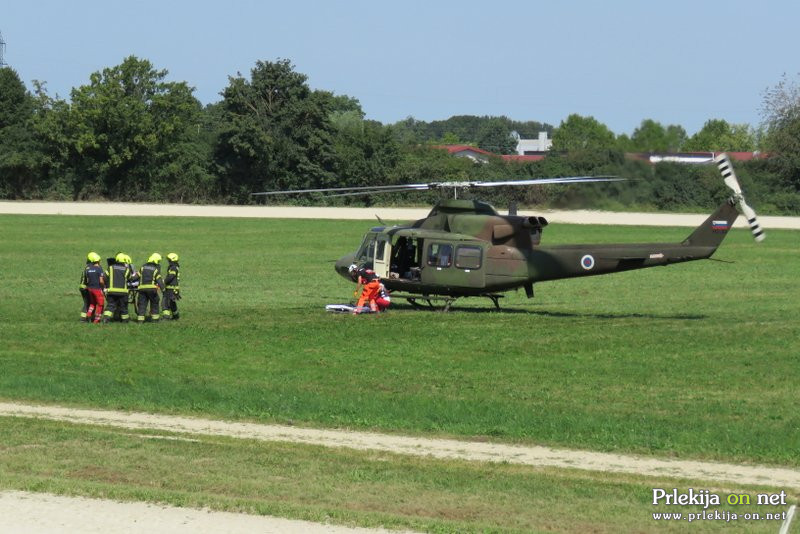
(465, 151)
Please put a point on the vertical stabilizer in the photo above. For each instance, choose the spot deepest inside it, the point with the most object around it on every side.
(714, 229)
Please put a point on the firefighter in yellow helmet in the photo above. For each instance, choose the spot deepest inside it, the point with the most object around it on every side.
(92, 283)
(172, 288)
(118, 276)
(133, 282)
(150, 282)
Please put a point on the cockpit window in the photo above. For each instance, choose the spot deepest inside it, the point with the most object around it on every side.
(366, 252)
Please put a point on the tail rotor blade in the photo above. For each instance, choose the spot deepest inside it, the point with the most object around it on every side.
(729, 177)
(750, 215)
(726, 169)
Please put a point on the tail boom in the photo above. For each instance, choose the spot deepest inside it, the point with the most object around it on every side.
(568, 261)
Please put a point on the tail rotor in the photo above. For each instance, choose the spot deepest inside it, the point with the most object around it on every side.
(726, 169)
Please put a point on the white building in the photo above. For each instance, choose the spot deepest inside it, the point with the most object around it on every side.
(527, 147)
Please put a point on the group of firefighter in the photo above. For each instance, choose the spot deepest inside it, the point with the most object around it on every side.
(107, 293)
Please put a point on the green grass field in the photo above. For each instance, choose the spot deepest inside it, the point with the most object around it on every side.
(346, 487)
(699, 360)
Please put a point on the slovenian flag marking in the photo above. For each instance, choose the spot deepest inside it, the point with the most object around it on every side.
(718, 226)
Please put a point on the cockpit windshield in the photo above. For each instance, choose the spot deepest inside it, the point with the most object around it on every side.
(366, 252)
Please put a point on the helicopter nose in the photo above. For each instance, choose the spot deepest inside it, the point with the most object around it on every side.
(343, 266)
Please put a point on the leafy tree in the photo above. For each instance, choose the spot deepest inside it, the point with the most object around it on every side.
(449, 138)
(50, 127)
(465, 127)
(717, 135)
(15, 101)
(781, 114)
(582, 133)
(366, 153)
(652, 136)
(468, 129)
(676, 137)
(127, 135)
(420, 164)
(624, 143)
(409, 131)
(495, 136)
(345, 110)
(346, 104)
(277, 132)
(20, 156)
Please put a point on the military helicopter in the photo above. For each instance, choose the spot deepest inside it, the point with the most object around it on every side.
(465, 248)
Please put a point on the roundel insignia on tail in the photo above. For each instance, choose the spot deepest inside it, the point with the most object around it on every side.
(587, 262)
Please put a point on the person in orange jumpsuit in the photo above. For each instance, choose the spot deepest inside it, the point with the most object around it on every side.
(370, 291)
(384, 299)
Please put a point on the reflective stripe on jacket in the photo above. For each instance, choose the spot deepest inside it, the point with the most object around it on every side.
(173, 278)
(118, 275)
(83, 276)
(151, 277)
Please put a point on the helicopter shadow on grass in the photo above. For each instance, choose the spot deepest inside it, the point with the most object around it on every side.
(551, 314)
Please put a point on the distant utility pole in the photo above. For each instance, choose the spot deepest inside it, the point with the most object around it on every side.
(2, 51)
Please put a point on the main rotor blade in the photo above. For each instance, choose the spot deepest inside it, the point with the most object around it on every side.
(465, 185)
(401, 187)
(377, 191)
(542, 181)
(396, 188)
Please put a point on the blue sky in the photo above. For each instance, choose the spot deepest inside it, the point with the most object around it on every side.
(679, 62)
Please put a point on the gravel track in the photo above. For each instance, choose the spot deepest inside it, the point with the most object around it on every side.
(42, 513)
(37, 513)
(419, 446)
(388, 214)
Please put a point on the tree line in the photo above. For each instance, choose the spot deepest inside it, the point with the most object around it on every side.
(131, 135)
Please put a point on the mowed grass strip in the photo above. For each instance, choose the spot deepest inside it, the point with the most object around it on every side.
(342, 486)
(698, 360)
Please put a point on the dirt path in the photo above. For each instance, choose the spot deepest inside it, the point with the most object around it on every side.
(437, 448)
(42, 513)
(388, 214)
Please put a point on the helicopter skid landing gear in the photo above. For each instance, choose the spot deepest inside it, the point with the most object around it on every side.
(416, 301)
(448, 301)
(496, 300)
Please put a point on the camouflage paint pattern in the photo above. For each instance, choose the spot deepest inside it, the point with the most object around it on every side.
(511, 255)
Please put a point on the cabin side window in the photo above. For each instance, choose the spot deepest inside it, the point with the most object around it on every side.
(379, 252)
(468, 257)
(440, 255)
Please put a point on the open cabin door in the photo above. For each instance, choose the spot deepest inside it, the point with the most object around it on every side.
(383, 253)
